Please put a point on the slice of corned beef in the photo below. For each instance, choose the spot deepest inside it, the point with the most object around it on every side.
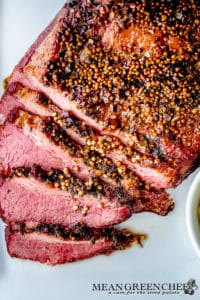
(54, 245)
(17, 149)
(33, 194)
(64, 201)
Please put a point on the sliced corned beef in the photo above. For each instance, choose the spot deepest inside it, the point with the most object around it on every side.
(103, 94)
(23, 98)
(33, 194)
(123, 79)
(57, 245)
(30, 199)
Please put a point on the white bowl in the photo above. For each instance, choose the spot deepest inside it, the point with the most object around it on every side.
(192, 218)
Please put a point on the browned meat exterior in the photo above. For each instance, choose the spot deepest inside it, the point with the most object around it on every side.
(128, 188)
(128, 69)
(108, 146)
(57, 245)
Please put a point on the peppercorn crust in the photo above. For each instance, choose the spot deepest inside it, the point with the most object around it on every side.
(107, 174)
(140, 68)
(57, 245)
(120, 238)
(128, 68)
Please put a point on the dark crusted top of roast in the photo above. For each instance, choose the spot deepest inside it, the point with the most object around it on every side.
(126, 83)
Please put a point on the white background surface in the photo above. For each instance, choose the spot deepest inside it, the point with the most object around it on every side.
(167, 255)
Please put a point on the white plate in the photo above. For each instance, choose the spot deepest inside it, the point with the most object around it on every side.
(192, 215)
(167, 256)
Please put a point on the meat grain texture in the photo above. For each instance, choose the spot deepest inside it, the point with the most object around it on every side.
(97, 119)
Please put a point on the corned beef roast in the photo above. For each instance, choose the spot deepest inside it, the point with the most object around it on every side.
(129, 69)
(99, 116)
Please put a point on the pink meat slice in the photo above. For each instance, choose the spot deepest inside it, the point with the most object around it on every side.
(18, 149)
(28, 199)
(52, 249)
